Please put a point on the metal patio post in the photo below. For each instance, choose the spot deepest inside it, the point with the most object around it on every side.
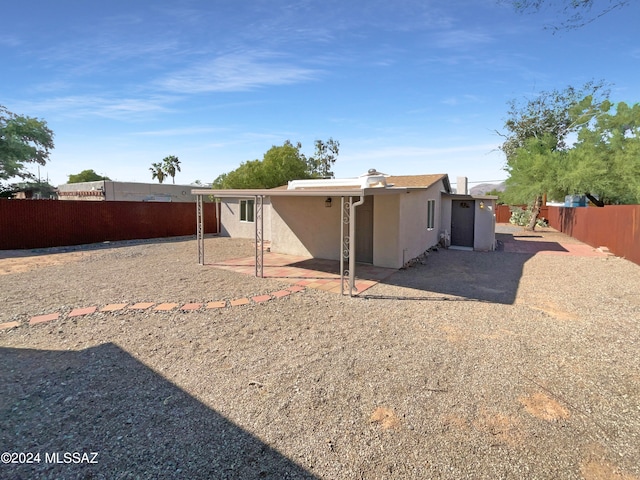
(259, 224)
(345, 241)
(200, 229)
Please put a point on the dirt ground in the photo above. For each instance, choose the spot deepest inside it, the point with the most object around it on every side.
(473, 365)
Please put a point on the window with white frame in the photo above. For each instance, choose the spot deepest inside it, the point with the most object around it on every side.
(431, 214)
(246, 210)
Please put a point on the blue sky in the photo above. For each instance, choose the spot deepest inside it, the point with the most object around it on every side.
(407, 87)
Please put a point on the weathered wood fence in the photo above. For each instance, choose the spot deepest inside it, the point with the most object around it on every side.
(53, 223)
(616, 227)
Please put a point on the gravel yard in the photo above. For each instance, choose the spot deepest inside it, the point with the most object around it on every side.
(473, 365)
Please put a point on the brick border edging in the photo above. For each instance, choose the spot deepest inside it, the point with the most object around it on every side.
(154, 307)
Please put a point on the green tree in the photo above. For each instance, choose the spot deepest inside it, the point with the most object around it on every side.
(571, 14)
(277, 167)
(171, 165)
(281, 164)
(604, 164)
(550, 113)
(537, 131)
(497, 193)
(220, 182)
(325, 157)
(22, 140)
(86, 176)
(534, 169)
(157, 171)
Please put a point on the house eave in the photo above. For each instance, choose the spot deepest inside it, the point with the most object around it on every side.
(312, 192)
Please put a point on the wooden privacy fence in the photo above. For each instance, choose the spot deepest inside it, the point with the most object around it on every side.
(54, 223)
(616, 227)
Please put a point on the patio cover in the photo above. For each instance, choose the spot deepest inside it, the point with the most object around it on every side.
(347, 227)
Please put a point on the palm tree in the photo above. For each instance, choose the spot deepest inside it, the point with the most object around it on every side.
(157, 171)
(171, 165)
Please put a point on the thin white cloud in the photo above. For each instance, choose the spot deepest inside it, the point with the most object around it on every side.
(94, 55)
(461, 100)
(171, 132)
(90, 105)
(236, 72)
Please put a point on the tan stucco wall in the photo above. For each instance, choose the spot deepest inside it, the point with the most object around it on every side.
(400, 226)
(231, 226)
(416, 238)
(484, 231)
(386, 228)
(316, 227)
(413, 224)
(445, 218)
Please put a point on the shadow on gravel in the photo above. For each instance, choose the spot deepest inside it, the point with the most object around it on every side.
(140, 425)
(469, 276)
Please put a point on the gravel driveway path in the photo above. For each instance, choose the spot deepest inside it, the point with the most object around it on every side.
(473, 365)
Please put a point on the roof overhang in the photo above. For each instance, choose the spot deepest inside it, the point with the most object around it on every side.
(312, 192)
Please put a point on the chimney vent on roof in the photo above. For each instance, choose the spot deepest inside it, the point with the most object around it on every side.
(461, 186)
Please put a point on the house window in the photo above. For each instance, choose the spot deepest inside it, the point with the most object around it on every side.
(431, 214)
(246, 210)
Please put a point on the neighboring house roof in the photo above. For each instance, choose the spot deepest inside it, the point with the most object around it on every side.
(418, 181)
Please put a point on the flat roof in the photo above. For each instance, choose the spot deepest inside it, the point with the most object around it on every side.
(311, 192)
(398, 184)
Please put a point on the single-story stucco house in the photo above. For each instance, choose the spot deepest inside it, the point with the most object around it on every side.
(379, 219)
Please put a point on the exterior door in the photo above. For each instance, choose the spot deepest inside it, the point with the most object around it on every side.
(364, 231)
(463, 214)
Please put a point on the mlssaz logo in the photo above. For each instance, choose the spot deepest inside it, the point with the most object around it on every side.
(71, 457)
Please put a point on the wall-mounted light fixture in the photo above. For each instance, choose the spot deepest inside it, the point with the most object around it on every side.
(327, 202)
(481, 205)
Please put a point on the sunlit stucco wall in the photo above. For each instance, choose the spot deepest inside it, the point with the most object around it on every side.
(306, 226)
(386, 231)
(484, 236)
(231, 226)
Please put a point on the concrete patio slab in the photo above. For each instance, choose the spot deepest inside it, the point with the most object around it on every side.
(79, 312)
(219, 304)
(261, 298)
(239, 301)
(8, 325)
(141, 306)
(114, 307)
(44, 318)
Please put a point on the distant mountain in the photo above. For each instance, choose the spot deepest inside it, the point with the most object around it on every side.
(483, 188)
